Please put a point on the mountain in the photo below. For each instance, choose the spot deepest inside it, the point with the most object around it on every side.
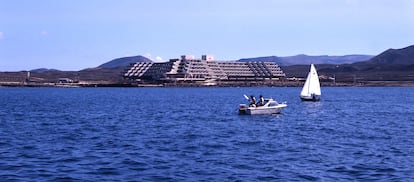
(324, 59)
(124, 62)
(390, 65)
(392, 60)
(276, 59)
(303, 59)
(404, 56)
(41, 70)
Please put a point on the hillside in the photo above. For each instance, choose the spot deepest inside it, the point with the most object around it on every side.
(40, 70)
(303, 59)
(392, 60)
(276, 59)
(108, 72)
(404, 56)
(307, 60)
(124, 62)
(391, 65)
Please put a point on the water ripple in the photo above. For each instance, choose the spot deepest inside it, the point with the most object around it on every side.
(154, 134)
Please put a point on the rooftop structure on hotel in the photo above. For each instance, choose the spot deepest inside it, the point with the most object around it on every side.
(187, 68)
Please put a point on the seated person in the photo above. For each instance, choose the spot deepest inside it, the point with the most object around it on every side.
(252, 101)
(261, 101)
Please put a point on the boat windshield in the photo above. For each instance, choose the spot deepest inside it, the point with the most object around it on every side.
(273, 103)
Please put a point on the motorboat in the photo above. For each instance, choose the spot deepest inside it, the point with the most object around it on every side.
(270, 107)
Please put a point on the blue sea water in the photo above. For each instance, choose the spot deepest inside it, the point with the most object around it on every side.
(195, 134)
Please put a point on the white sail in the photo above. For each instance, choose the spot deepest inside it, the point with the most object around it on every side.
(312, 86)
(305, 90)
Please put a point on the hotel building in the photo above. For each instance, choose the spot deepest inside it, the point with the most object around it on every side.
(188, 68)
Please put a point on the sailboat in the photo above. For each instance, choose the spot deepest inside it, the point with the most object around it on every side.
(311, 91)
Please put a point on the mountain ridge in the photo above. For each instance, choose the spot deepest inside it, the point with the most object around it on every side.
(403, 56)
(391, 64)
(124, 61)
(303, 59)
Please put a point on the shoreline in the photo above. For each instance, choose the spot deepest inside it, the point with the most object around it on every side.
(219, 84)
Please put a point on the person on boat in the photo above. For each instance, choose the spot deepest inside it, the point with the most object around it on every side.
(261, 101)
(252, 101)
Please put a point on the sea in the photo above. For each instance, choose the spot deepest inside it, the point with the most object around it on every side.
(196, 134)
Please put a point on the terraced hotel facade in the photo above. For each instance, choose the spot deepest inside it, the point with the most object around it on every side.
(187, 68)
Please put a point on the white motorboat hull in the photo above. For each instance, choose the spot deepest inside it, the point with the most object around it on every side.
(262, 109)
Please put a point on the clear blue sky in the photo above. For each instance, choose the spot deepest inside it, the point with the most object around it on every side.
(77, 34)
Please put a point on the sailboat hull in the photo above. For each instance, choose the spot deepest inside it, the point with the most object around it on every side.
(313, 98)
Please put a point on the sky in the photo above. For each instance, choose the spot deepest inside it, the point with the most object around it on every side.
(72, 35)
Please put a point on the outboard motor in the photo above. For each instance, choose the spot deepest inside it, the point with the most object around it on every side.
(242, 108)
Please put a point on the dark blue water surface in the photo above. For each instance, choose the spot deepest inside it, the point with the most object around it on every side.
(193, 134)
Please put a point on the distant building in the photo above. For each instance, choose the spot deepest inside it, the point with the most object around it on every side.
(65, 80)
(190, 69)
